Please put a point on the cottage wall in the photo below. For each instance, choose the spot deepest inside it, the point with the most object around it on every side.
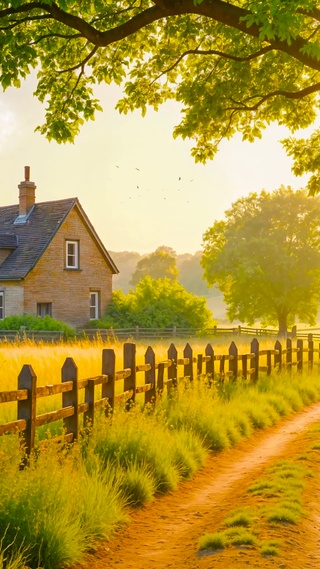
(69, 289)
(14, 297)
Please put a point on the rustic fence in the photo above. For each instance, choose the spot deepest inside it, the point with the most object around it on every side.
(154, 379)
(137, 333)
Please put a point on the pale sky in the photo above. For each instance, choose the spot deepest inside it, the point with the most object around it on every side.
(125, 171)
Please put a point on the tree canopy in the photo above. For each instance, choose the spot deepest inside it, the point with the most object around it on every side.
(156, 303)
(265, 258)
(233, 66)
(157, 265)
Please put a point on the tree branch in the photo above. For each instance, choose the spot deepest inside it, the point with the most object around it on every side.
(222, 54)
(16, 23)
(217, 10)
(55, 35)
(81, 64)
(288, 94)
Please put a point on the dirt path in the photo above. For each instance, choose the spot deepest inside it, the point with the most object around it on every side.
(165, 533)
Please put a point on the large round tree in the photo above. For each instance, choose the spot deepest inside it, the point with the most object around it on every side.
(158, 265)
(265, 258)
(233, 66)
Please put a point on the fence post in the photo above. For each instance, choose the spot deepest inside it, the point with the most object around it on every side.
(294, 332)
(27, 409)
(278, 357)
(188, 368)
(173, 369)
(310, 352)
(210, 364)
(150, 376)
(289, 354)
(233, 363)
(255, 351)
(129, 361)
(88, 416)
(300, 355)
(269, 365)
(174, 331)
(160, 378)
(69, 372)
(222, 364)
(199, 365)
(137, 333)
(244, 362)
(109, 369)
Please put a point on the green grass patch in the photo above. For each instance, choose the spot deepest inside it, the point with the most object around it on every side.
(239, 518)
(281, 489)
(282, 515)
(214, 541)
(269, 548)
(240, 537)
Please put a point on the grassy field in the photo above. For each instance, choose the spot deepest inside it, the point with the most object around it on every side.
(67, 500)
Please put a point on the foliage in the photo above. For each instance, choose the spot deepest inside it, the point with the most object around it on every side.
(35, 323)
(233, 66)
(191, 275)
(126, 261)
(156, 303)
(265, 258)
(190, 272)
(157, 265)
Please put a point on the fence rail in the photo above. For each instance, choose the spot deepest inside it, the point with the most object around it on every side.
(148, 379)
(138, 333)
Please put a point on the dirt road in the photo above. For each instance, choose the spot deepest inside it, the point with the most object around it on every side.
(165, 533)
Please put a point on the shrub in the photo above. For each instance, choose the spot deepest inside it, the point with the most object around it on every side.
(35, 323)
(156, 303)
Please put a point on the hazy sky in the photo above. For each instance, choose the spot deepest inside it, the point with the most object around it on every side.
(125, 171)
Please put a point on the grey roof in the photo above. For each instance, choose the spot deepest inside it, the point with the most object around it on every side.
(8, 240)
(36, 233)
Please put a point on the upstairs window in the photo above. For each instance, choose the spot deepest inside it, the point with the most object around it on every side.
(72, 254)
(94, 305)
(1, 305)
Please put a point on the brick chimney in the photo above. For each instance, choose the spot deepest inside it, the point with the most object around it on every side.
(27, 196)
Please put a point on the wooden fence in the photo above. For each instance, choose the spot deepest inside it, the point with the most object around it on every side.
(154, 379)
(138, 333)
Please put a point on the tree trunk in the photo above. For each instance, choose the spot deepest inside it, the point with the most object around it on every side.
(282, 325)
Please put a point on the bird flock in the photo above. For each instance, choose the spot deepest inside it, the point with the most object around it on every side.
(137, 195)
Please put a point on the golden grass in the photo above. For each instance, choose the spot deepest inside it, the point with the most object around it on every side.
(47, 360)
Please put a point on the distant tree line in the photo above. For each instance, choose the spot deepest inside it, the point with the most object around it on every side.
(264, 257)
(164, 262)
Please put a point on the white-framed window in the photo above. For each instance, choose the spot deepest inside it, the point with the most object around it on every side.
(1, 305)
(72, 254)
(44, 309)
(94, 305)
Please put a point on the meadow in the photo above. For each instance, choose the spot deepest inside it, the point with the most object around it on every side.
(68, 499)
